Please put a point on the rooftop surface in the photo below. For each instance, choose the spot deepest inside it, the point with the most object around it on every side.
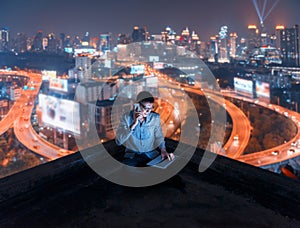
(67, 193)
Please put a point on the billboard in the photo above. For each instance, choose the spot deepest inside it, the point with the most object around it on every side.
(243, 85)
(90, 50)
(158, 65)
(137, 69)
(59, 84)
(60, 113)
(262, 89)
(153, 58)
(152, 81)
(69, 50)
(47, 74)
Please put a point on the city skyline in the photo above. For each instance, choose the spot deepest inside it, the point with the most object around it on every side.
(75, 18)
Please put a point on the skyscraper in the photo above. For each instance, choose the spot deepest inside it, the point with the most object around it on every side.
(253, 38)
(223, 51)
(138, 34)
(21, 42)
(233, 45)
(195, 43)
(4, 39)
(53, 43)
(184, 38)
(289, 46)
(277, 35)
(123, 39)
(168, 35)
(86, 39)
(105, 42)
(62, 41)
(37, 44)
(213, 49)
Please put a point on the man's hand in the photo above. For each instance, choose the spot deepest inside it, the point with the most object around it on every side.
(137, 117)
(165, 154)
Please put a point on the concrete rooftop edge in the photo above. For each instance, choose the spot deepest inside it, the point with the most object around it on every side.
(271, 190)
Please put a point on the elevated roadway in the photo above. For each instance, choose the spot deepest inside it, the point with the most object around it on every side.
(19, 118)
(241, 127)
(279, 153)
(241, 124)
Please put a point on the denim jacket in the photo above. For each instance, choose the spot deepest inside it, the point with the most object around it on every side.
(146, 136)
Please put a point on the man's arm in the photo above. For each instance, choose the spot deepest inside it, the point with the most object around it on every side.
(159, 138)
(123, 131)
(158, 134)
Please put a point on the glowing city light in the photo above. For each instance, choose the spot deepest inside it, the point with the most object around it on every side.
(251, 26)
(280, 27)
(223, 32)
(261, 9)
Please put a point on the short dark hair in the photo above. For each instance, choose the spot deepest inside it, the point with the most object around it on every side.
(145, 96)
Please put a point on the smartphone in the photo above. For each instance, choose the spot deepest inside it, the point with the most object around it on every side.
(137, 107)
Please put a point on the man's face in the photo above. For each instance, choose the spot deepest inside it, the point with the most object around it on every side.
(146, 108)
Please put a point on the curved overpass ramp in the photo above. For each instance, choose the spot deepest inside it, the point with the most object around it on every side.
(240, 124)
(19, 117)
(276, 154)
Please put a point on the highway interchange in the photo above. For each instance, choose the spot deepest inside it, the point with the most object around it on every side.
(19, 117)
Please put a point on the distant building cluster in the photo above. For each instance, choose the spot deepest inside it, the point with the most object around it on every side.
(258, 47)
(86, 90)
(52, 43)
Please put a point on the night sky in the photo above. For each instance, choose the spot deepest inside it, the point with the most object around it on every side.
(75, 17)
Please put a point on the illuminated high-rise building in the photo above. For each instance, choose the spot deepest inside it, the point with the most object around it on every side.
(168, 35)
(233, 45)
(253, 38)
(4, 39)
(241, 49)
(289, 46)
(184, 38)
(77, 42)
(213, 49)
(147, 34)
(53, 43)
(68, 41)
(4, 35)
(123, 39)
(277, 35)
(29, 43)
(21, 42)
(223, 50)
(37, 43)
(105, 42)
(273, 40)
(86, 39)
(138, 34)
(94, 42)
(195, 43)
(164, 36)
(264, 39)
(62, 41)
(45, 43)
